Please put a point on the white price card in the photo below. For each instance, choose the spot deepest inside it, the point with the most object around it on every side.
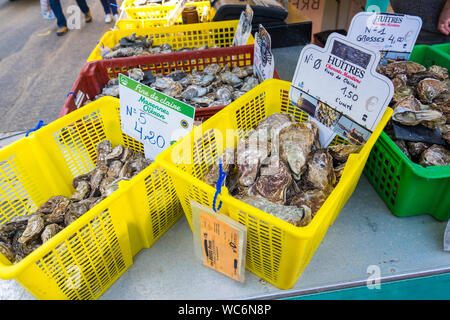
(393, 35)
(263, 61)
(151, 117)
(338, 85)
(244, 28)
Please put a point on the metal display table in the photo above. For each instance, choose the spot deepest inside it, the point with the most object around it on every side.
(365, 235)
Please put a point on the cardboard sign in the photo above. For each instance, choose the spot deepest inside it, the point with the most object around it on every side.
(263, 61)
(219, 241)
(393, 35)
(338, 85)
(151, 117)
(244, 28)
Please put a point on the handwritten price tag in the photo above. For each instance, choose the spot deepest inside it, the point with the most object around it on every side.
(394, 35)
(339, 87)
(151, 117)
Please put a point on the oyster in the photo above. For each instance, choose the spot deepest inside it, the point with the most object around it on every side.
(34, 227)
(50, 231)
(173, 90)
(320, 173)
(136, 74)
(115, 154)
(50, 205)
(313, 199)
(114, 169)
(402, 67)
(341, 152)
(177, 75)
(274, 181)
(82, 190)
(435, 155)
(108, 186)
(439, 72)
(97, 177)
(6, 250)
(428, 89)
(402, 92)
(212, 175)
(249, 84)
(224, 94)
(103, 149)
(57, 216)
(297, 216)
(416, 148)
(402, 145)
(212, 69)
(127, 154)
(296, 142)
(230, 78)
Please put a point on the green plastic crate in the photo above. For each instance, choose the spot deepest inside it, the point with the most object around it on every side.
(444, 48)
(409, 189)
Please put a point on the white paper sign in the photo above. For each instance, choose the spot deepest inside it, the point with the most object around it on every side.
(263, 61)
(151, 117)
(394, 35)
(338, 85)
(244, 28)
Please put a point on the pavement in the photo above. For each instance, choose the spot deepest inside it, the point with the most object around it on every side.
(38, 68)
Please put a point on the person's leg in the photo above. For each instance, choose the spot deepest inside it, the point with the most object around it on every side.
(83, 6)
(57, 10)
(105, 5)
(113, 6)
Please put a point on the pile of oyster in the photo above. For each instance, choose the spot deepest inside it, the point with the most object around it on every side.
(282, 169)
(214, 86)
(422, 96)
(23, 234)
(134, 45)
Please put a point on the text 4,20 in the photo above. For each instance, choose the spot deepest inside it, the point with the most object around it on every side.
(149, 136)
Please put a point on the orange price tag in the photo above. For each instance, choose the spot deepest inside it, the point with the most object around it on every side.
(220, 245)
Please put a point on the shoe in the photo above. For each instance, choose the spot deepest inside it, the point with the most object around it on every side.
(61, 31)
(88, 17)
(108, 18)
(116, 17)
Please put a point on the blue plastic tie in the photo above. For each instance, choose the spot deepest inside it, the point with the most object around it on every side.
(74, 94)
(219, 184)
(39, 125)
(114, 5)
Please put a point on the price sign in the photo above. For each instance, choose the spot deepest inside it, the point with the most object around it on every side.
(263, 61)
(219, 241)
(339, 86)
(152, 117)
(244, 28)
(393, 35)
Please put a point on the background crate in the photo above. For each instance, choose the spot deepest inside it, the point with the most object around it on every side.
(84, 259)
(407, 188)
(96, 74)
(161, 15)
(180, 36)
(443, 48)
(276, 250)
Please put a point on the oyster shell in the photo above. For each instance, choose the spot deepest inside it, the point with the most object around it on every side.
(103, 149)
(320, 173)
(97, 176)
(402, 92)
(50, 205)
(212, 175)
(249, 84)
(296, 142)
(402, 145)
(439, 72)
(313, 199)
(428, 89)
(7, 251)
(114, 169)
(82, 190)
(57, 216)
(297, 216)
(34, 228)
(341, 152)
(402, 67)
(274, 181)
(416, 148)
(136, 74)
(230, 78)
(50, 231)
(435, 155)
(115, 154)
(212, 69)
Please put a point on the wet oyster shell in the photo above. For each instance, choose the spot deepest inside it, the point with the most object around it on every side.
(416, 148)
(402, 145)
(319, 173)
(428, 89)
(50, 205)
(296, 142)
(297, 216)
(82, 190)
(114, 169)
(50, 231)
(7, 251)
(439, 72)
(212, 175)
(97, 177)
(274, 181)
(313, 199)
(435, 155)
(341, 152)
(34, 228)
(402, 67)
(115, 154)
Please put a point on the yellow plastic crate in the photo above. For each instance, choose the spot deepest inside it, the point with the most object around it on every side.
(276, 250)
(158, 12)
(126, 23)
(180, 36)
(84, 259)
